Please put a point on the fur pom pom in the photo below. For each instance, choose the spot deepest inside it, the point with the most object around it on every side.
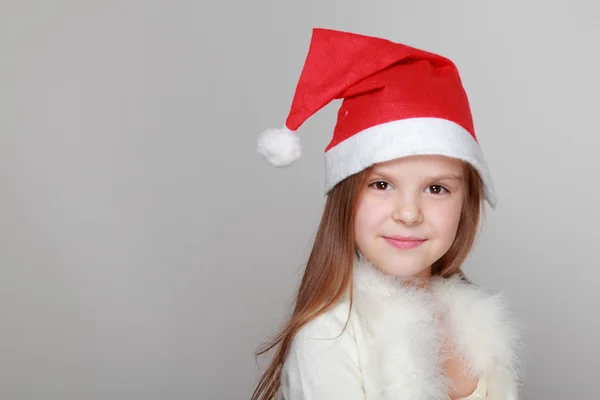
(281, 147)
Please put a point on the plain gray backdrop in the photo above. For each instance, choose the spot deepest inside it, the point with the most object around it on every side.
(146, 250)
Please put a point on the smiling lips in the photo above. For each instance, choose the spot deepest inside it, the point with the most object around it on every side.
(404, 242)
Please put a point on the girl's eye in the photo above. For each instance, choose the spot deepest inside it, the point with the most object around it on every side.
(380, 185)
(437, 189)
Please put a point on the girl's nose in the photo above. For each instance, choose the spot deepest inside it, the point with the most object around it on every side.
(408, 213)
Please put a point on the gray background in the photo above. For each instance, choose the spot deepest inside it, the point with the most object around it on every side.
(146, 250)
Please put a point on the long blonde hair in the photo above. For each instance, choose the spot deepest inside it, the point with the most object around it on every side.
(328, 271)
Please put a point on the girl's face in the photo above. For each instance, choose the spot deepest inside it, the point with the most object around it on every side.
(408, 213)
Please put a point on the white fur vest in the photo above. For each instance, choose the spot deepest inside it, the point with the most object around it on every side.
(388, 345)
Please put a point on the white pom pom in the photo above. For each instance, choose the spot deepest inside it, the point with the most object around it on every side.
(281, 147)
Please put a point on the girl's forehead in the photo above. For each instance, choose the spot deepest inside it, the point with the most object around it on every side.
(421, 164)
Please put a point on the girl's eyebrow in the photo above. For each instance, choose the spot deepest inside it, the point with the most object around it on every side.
(380, 174)
(446, 177)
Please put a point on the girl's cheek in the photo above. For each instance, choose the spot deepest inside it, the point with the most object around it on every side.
(446, 217)
(378, 208)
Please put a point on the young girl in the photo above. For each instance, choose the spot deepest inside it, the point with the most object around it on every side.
(383, 310)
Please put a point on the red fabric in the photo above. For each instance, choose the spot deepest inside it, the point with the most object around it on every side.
(379, 80)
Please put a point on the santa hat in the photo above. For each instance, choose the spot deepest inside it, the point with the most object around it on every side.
(398, 101)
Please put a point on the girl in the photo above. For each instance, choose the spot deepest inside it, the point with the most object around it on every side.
(383, 310)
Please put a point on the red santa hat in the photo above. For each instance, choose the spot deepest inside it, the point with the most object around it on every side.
(398, 101)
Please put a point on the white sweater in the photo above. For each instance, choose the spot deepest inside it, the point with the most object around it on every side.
(391, 346)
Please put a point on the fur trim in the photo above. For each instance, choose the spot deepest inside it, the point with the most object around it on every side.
(401, 335)
(402, 329)
(486, 333)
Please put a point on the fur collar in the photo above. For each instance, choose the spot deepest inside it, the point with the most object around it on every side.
(403, 331)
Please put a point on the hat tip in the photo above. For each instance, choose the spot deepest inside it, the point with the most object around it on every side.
(280, 146)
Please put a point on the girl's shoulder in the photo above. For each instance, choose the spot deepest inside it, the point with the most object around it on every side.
(332, 324)
(322, 360)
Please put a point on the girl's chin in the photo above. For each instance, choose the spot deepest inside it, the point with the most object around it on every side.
(406, 272)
